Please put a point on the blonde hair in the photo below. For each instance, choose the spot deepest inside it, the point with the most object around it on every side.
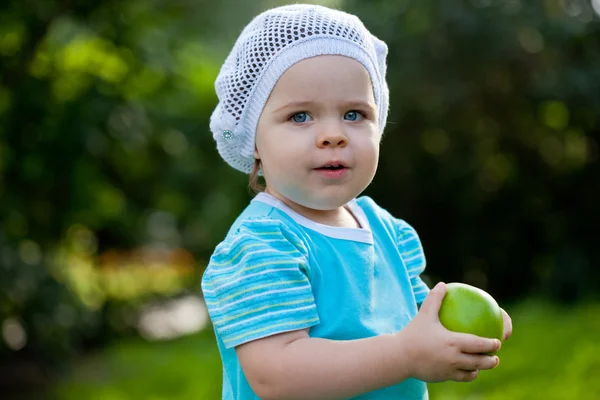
(253, 180)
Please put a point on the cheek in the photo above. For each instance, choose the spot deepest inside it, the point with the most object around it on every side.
(282, 159)
(288, 147)
(369, 149)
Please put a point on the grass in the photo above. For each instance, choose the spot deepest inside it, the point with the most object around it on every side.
(554, 353)
(187, 368)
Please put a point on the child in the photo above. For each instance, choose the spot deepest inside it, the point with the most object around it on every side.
(314, 293)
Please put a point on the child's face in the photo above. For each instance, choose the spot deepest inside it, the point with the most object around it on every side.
(322, 111)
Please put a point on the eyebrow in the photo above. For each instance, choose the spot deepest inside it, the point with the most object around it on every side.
(350, 104)
(295, 104)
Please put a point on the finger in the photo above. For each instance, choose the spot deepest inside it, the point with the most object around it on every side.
(507, 325)
(433, 301)
(465, 376)
(472, 344)
(475, 362)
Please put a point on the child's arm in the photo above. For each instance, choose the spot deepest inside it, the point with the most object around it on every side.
(295, 366)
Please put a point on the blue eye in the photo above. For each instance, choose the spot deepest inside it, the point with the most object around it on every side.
(352, 116)
(300, 117)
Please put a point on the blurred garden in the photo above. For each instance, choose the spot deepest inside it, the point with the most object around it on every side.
(113, 196)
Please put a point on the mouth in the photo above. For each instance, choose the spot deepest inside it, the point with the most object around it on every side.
(332, 166)
(333, 170)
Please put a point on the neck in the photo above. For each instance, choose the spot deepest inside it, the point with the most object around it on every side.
(340, 216)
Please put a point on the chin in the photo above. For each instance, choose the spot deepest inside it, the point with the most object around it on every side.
(328, 202)
(322, 198)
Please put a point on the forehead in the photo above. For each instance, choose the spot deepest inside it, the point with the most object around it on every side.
(325, 76)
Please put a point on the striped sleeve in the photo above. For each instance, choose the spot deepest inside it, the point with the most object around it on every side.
(257, 283)
(413, 256)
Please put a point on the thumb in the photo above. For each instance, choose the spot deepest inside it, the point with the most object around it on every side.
(433, 301)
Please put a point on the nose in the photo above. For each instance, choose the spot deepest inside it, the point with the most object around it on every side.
(333, 137)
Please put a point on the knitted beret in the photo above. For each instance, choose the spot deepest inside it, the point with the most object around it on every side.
(270, 44)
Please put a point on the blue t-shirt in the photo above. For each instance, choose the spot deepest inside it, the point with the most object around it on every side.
(277, 271)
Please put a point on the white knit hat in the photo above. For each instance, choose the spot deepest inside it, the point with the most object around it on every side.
(270, 44)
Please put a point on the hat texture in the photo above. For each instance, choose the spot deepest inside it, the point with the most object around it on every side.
(270, 44)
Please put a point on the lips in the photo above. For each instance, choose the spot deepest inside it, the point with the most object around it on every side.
(333, 169)
(332, 165)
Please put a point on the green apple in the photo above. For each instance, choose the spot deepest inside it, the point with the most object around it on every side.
(468, 309)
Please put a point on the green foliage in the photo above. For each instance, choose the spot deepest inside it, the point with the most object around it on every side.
(104, 146)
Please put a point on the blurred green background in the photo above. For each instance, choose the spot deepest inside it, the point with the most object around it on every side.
(112, 195)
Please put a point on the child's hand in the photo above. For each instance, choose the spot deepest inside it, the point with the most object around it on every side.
(437, 354)
(507, 325)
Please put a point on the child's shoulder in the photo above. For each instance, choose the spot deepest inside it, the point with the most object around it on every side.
(371, 208)
(259, 226)
(257, 236)
(259, 217)
(375, 211)
(367, 203)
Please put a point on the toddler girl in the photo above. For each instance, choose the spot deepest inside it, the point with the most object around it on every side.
(315, 292)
